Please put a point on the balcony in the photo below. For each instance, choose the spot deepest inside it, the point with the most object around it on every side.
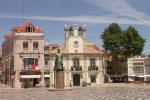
(93, 68)
(79, 68)
(30, 72)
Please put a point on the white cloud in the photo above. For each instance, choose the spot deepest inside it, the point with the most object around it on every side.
(121, 7)
(85, 19)
(121, 12)
(118, 6)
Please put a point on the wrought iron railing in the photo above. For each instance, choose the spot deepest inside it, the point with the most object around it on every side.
(30, 72)
(78, 68)
(93, 68)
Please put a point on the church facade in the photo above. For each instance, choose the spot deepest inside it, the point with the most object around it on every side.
(82, 60)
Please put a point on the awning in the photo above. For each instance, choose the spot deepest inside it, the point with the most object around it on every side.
(141, 76)
(46, 75)
(147, 75)
(30, 76)
(132, 75)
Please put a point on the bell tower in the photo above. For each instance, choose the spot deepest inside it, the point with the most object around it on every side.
(74, 38)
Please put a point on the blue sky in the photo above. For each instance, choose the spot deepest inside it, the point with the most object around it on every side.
(51, 15)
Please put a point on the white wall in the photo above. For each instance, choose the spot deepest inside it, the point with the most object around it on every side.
(72, 49)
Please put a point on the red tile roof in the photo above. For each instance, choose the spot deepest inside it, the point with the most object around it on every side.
(6, 36)
(23, 28)
(89, 48)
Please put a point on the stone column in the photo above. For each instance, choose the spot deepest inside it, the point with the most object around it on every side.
(42, 78)
(101, 71)
(101, 77)
(67, 78)
(17, 83)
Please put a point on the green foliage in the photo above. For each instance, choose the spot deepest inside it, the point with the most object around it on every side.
(126, 43)
(134, 43)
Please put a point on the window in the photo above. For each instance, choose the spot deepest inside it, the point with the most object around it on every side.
(35, 45)
(25, 45)
(30, 29)
(93, 78)
(46, 48)
(30, 62)
(46, 61)
(138, 69)
(92, 62)
(109, 68)
(76, 63)
(80, 31)
(71, 31)
(138, 63)
(46, 58)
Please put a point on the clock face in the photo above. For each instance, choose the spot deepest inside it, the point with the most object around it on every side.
(76, 44)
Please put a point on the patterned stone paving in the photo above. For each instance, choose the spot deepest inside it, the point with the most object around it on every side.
(106, 92)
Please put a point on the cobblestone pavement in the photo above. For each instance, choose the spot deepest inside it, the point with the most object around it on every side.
(105, 92)
(4, 86)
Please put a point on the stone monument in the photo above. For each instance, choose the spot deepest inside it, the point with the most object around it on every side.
(59, 74)
(58, 71)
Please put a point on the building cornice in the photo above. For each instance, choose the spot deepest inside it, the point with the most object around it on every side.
(85, 54)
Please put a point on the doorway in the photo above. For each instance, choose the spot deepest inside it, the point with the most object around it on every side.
(76, 79)
(35, 81)
(29, 82)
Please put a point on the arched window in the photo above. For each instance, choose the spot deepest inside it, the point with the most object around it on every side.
(35, 45)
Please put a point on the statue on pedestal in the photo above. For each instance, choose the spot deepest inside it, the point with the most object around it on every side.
(58, 71)
(58, 61)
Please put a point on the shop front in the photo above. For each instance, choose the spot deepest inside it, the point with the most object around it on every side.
(30, 79)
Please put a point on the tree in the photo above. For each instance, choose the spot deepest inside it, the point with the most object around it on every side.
(121, 44)
(125, 43)
(111, 37)
(134, 43)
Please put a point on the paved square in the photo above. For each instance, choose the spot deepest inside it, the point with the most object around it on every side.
(105, 92)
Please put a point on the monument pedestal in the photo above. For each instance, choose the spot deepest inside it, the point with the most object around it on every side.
(59, 82)
(59, 79)
(58, 74)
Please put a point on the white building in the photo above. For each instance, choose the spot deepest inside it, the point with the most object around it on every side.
(139, 69)
(82, 60)
(23, 56)
(28, 62)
